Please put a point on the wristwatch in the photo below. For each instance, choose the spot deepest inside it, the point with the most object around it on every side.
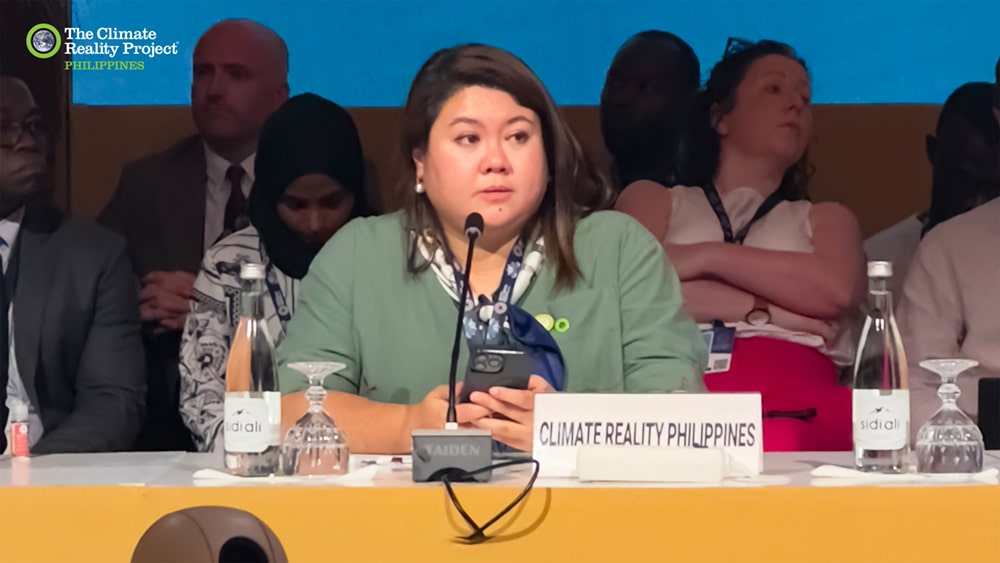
(759, 315)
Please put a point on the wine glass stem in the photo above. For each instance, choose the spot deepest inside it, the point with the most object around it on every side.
(316, 394)
(949, 391)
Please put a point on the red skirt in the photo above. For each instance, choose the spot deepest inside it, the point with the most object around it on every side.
(791, 378)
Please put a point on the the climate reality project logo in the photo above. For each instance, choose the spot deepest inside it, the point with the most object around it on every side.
(98, 49)
(43, 41)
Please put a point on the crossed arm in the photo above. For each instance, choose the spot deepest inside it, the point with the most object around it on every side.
(805, 291)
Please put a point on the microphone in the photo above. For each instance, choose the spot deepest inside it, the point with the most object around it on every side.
(455, 452)
(473, 230)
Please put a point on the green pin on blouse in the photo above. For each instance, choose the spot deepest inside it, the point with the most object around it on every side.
(549, 323)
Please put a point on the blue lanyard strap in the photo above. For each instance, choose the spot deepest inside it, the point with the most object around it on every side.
(479, 331)
(720, 213)
(501, 322)
(277, 295)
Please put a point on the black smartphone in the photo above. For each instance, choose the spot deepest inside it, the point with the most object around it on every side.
(496, 367)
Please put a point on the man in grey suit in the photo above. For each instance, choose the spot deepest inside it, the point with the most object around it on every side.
(72, 355)
(174, 205)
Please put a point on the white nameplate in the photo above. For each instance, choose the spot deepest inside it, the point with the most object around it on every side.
(566, 421)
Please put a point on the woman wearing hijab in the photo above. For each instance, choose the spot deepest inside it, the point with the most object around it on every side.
(309, 182)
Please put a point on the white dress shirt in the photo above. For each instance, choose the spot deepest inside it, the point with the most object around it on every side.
(217, 192)
(896, 244)
(10, 227)
(951, 307)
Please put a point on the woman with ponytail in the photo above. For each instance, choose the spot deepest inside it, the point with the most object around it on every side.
(757, 260)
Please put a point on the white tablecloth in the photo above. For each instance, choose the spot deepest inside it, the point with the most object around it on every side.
(176, 469)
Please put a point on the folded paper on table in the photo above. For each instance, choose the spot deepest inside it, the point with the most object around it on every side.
(363, 475)
(651, 465)
(394, 461)
(835, 475)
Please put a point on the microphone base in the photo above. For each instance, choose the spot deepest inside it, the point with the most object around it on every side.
(454, 453)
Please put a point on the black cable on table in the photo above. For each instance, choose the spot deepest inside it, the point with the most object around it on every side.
(478, 534)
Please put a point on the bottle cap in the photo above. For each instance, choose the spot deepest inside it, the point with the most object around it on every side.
(880, 269)
(252, 271)
(19, 412)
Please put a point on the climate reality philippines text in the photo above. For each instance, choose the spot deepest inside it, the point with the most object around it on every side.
(112, 42)
(677, 434)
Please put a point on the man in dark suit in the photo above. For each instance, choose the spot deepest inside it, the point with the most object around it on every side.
(72, 353)
(174, 205)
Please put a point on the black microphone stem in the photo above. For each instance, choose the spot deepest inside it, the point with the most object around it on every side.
(452, 417)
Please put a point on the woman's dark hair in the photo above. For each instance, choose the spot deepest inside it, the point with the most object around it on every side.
(718, 97)
(576, 187)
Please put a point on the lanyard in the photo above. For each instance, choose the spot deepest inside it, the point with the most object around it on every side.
(720, 213)
(478, 330)
(277, 295)
(485, 320)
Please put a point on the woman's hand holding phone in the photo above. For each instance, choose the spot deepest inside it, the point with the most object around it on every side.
(517, 406)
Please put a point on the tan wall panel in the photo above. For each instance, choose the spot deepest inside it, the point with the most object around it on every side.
(869, 157)
(104, 138)
(872, 159)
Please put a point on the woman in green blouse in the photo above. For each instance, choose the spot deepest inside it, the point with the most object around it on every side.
(586, 290)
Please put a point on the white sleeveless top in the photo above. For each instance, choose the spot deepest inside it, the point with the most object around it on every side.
(786, 227)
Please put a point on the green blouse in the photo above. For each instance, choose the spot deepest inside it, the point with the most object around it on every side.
(358, 305)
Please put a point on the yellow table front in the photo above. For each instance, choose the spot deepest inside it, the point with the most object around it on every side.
(338, 524)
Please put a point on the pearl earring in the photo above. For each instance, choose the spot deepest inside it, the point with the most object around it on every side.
(419, 188)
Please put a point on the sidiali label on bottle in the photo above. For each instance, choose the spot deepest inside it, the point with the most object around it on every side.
(881, 418)
(251, 424)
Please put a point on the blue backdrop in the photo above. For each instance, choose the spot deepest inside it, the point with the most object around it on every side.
(364, 53)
